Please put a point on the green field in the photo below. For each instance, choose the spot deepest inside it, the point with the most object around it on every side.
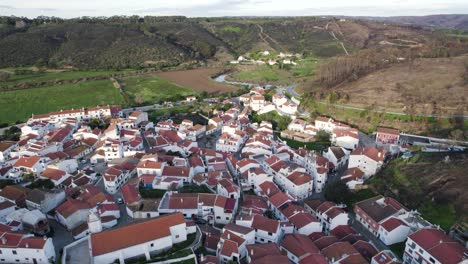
(149, 89)
(257, 74)
(232, 29)
(305, 68)
(20, 104)
(54, 76)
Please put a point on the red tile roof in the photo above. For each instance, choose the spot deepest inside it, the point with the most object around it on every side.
(386, 130)
(299, 245)
(53, 174)
(266, 224)
(339, 249)
(392, 223)
(302, 219)
(229, 248)
(130, 193)
(439, 245)
(173, 171)
(27, 162)
(376, 154)
(124, 237)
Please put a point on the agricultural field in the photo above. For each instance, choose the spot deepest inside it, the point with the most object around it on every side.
(34, 77)
(20, 104)
(148, 89)
(261, 74)
(305, 68)
(199, 80)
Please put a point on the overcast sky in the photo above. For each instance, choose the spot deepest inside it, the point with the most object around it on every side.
(210, 8)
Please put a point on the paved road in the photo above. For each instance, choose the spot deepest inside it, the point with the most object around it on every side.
(365, 140)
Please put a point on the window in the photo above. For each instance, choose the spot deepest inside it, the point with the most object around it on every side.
(14, 252)
(177, 236)
(432, 260)
(270, 234)
(152, 245)
(421, 251)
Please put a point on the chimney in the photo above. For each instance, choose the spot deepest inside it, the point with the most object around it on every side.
(4, 240)
(229, 236)
(27, 245)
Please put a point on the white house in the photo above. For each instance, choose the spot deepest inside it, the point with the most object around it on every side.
(393, 230)
(345, 138)
(266, 230)
(26, 248)
(367, 159)
(154, 236)
(5, 149)
(433, 246)
(337, 155)
(329, 214)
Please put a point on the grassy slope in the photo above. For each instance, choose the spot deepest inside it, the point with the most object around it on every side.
(430, 184)
(153, 89)
(20, 104)
(425, 82)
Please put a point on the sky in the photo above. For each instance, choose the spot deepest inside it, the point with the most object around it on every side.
(215, 8)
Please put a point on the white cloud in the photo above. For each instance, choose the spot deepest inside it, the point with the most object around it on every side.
(74, 8)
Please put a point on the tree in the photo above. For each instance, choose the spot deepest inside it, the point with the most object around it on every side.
(337, 192)
(322, 136)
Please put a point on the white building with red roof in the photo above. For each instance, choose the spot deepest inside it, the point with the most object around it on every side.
(367, 159)
(57, 176)
(289, 108)
(300, 249)
(353, 177)
(154, 235)
(229, 142)
(297, 184)
(34, 165)
(433, 246)
(387, 136)
(228, 188)
(5, 149)
(345, 138)
(116, 176)
(393, 230)
(278, 99)
(266, 230)
(18, 247)
(253, 178)
(151, 167)
(210, 207)
(328, 213)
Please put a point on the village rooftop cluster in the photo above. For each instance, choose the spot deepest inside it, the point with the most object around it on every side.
(263, 201)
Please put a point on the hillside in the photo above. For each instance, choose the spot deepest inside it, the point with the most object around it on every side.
(434, 21)
(424, 86)
(433, 183)
(130, 42)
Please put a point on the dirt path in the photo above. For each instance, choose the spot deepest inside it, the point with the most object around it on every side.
(264, 36)
(337, 39)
